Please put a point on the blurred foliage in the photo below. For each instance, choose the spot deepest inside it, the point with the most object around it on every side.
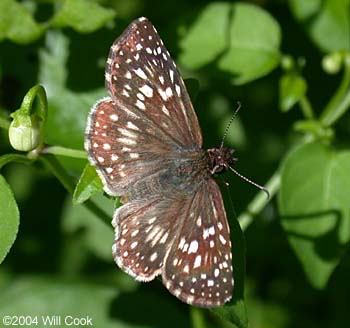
(287, 62)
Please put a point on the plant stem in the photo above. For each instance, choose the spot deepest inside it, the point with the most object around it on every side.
(339, 103)
(27, 103)
(306, 107)
(8, 158)
(57, 169)
(259, 202)
(58, 150)
(197, 318)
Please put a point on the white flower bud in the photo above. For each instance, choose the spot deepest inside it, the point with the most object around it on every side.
(24, 134)
(332, 63)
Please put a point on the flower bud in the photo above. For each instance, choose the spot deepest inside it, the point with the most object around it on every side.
(24, 132)
(287, 62)
(332, 63)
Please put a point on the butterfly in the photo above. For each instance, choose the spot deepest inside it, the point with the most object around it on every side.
(145, 143)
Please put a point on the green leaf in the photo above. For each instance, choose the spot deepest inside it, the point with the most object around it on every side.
(327, 22)
(305, 9)
(53, 73)
(71, 123)
(88, 185)
(207, 37)
(104, 304)
(53, 62)
(97, 236)
(314, 205)
(82, 15)
(292, 88)
(17, 24)
(255, 38)
(9, 218)
(235, 313)
(44, 297)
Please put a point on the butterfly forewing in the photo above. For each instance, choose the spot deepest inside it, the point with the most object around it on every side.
(198, 269)
(116, 146)
(140, 75)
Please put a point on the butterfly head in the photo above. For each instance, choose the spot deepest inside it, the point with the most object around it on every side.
(220, 159)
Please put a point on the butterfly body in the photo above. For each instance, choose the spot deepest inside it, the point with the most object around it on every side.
(146, 145)
(182, 175)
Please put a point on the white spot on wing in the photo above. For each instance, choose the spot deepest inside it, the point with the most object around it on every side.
(132, 126)
(212, 230)
(141, 73)
(182, 243)
(197, 261)
(153, 256)
(171, 73)
(147, 91)
(114, 117)
(169, 92)
(165, 110)
(162, 94)
(140, 96)
(193, 247)
(140, 105)
(126, 133)
(222, 239)
(127, 141)
(178, 90)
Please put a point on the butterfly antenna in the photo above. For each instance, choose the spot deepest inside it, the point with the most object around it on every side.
(230, 122)
(251, 182)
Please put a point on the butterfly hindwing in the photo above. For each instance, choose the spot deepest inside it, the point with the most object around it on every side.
(198, 269)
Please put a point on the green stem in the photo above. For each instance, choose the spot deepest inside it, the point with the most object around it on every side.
(344, 105)
(259, 202)
(27, 103)
(4, 123)
(197, 317)
(8, 158)
(306, 107)
(58, 150)
(338, 105)
(57, 169)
